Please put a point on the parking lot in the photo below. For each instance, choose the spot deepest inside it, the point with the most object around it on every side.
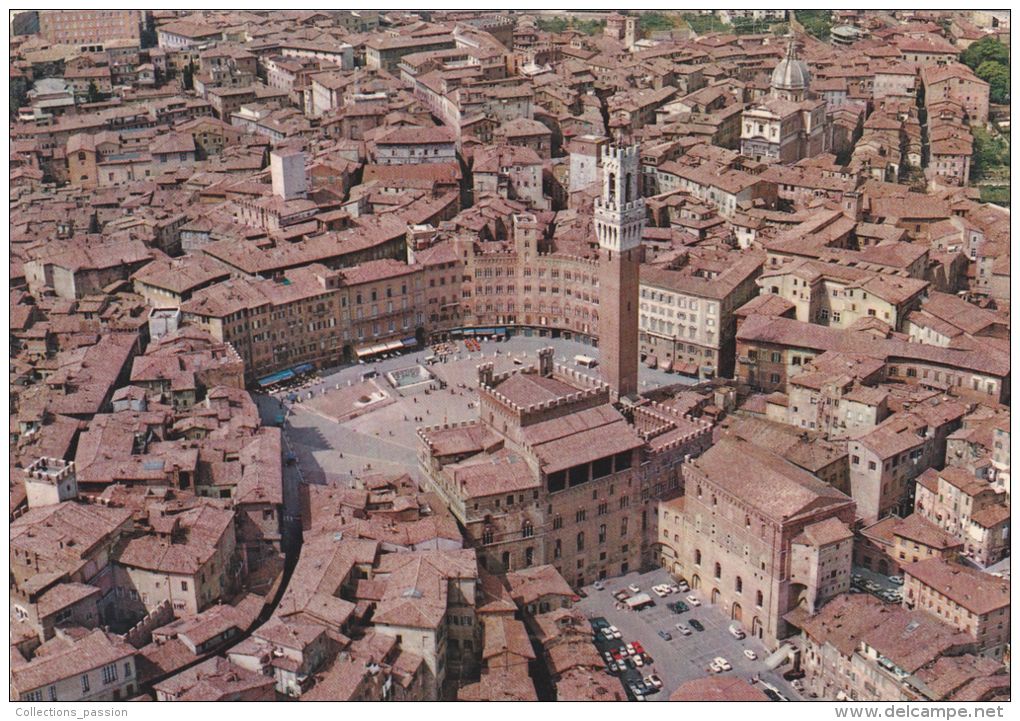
(864, 580)
(682, 658)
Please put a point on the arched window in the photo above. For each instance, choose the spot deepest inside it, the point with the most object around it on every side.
(558, 549)
(740, 585)
(759, 599)
(527, 530)
(718, 570)
(612, 187)
(580, 541)
(697, 557)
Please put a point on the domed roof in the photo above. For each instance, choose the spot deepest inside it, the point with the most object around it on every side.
(791, 73)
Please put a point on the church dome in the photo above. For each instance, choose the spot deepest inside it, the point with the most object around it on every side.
(791, 73)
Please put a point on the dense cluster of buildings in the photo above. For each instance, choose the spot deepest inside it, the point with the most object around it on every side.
(203, 201)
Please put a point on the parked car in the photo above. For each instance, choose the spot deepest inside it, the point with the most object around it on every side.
(638, 661)
(665, 635)
(693, 600)
(751, 655)
(634, 588)
(683, 586)
(638, 648)
(722, 663)
(654, 681)
(678, 607)
(695, 624)
(737, 632)
(630, 649)
(898, 580)
(598, 585)
(615, 631)
(612, 668)
(660, 591)
(773, 695)
(621, 595)
(683, 629)
(599, 622)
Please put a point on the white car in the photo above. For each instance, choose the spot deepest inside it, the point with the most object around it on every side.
(693, 600)
(683, 629)
(630, 649)
(653, 680)
(751, 655)
(660, 591)
(638, 661)
(722, 664)
(615, 632)
(634, 588)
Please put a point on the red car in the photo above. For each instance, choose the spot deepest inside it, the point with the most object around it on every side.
(637, 648)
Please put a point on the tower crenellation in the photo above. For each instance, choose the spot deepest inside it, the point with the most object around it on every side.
(620, 211)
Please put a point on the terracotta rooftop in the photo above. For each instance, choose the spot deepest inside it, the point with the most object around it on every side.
(977, 591)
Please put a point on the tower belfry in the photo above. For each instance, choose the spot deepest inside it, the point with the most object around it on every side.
(619, 221)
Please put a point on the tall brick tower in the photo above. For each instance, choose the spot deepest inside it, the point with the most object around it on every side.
(619, 220)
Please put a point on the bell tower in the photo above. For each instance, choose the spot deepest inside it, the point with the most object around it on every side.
(619, 220)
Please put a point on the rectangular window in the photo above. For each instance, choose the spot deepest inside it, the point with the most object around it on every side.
(109, 674)
(84, 683)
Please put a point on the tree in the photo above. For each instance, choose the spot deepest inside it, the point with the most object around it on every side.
(552, 25)
(997, 77)
(990, 154)
(984, 50)
(817, 23)
(651, 22)
(94, 94)
(188, 79)
(19, 96)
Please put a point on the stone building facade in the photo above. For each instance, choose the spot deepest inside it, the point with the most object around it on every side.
(761, 536)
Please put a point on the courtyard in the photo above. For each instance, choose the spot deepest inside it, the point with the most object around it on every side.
(363, 418)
